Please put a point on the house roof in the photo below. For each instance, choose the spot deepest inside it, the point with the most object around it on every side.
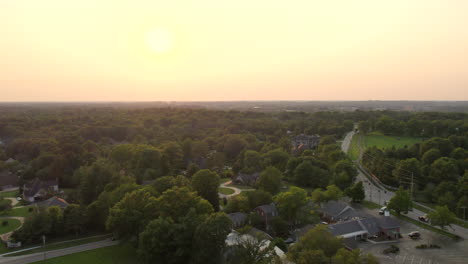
(388, 222)
(53, 201)
(33, 187)
(248, 178)
(8, 178)
(237, 217)
(345, 228)
(10, 160)
(350, 243)
(335, 209)
(269, 209)
(371, 225)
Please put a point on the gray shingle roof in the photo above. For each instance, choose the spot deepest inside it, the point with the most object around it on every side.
(345, 228)
(54, 201)
(33, 187)
(388, 222)
(269, 209)
(336, 209)
(238, 217)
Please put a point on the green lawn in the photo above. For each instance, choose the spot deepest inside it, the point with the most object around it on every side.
(21, 211)
(223, 180)
(353, 150)
(242, 187)
(12, 225)
(382, 141)
(226, 191)
(63, 245)
(120, 254)
(9, 194)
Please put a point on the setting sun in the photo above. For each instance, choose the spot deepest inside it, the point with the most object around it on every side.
(159, 40)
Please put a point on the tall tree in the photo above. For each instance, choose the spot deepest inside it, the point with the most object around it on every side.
(270, 180)
(401, 202)
(206, 183)
(290, 202)
(441, 216)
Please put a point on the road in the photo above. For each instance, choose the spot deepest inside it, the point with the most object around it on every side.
(379, 195)
(347, 142)
(24, 259)
(224, 185)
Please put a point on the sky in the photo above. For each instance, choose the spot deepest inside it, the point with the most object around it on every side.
(211, 50)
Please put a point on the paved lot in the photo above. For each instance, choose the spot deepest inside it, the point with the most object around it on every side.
(450, 252)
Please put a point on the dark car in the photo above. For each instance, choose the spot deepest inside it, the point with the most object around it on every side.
(423, 218)
(414, 235)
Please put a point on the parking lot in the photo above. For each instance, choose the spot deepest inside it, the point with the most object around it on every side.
(450, 251)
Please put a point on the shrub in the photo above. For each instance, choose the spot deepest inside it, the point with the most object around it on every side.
(5, 223)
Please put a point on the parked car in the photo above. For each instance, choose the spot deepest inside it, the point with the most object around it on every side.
(382, 210)
(414, 235)
(423, 218)
(324, 223)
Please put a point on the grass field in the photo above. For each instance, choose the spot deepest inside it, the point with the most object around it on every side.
(382, 141)
(353, 150)
(120, 254)
(9, 194)
(226, 191)
(223, 180)
(21, 211)
(12, 225)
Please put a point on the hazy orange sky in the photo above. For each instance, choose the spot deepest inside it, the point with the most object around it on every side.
(104, 50)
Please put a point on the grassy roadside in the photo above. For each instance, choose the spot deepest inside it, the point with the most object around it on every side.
(60, 245)
(425, 210)
(371, 205)
(382, 141)
(119, 254)
(353, 150)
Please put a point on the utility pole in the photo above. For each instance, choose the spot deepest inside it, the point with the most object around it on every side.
(464, 207)
(412, 183)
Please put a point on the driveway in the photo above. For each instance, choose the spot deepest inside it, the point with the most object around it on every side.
(224, 185)
(24, 259)
(6, 236)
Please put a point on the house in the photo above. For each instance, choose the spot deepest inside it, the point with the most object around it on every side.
(8, 180)
(267, 212)
(302, 142)
(234, 239)
(246, 179)
(238, 219)
(36, 189)
(53, 201)
(386, 227)
(335, 211)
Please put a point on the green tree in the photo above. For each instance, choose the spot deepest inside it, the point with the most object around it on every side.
(333, 193)
(258, 197)
(443, 169)
(318, 238)
(430, 156)
(401, 202)
(252, 162)
(355, 256)
(277, 158)
(210, 234)
(308, 175)
(356, 192)
(129, 217)
(290, 202)
(206, 183)
(238, 203)
(74, 218)
(441, 216)
(176, 202)
(270, 180)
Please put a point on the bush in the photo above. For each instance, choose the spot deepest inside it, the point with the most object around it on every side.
(5, 223)
(391, 249)
(425, 246)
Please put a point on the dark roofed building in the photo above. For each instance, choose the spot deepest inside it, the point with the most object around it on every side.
(302, 142)
(238, 219)
(267, 212)
(36, 189)
(246, 179)
(334, 211)
(347, 229)
(8, 180)
(53, 201)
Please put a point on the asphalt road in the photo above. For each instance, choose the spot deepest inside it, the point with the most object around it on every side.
(24, 259)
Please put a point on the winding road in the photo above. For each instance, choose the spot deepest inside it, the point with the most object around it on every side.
(224, 185)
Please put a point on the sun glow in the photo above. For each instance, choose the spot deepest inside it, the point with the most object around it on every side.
(159, 40)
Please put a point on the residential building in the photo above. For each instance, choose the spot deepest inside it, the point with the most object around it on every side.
(335, 211)
(302, 142)
(238, 219)
(246, 179)
(53, 201)
(37, 190)
(386, 227)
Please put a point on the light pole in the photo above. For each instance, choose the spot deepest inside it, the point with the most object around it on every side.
(43, 246)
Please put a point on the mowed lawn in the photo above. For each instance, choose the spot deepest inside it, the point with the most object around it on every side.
(120, 254)
(226, 191)
(12, 225)
(18, 211)
(382, 141)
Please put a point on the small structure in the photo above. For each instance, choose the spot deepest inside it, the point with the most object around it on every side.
(238, 219)
(267, 212)
(8, 180)
(234, 239)
(246, 179)
(334, 211)
(53, 201)
(302, 142)
(37, 190)
(10, 160)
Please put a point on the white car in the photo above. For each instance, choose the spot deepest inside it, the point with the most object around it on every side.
(382, 210)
